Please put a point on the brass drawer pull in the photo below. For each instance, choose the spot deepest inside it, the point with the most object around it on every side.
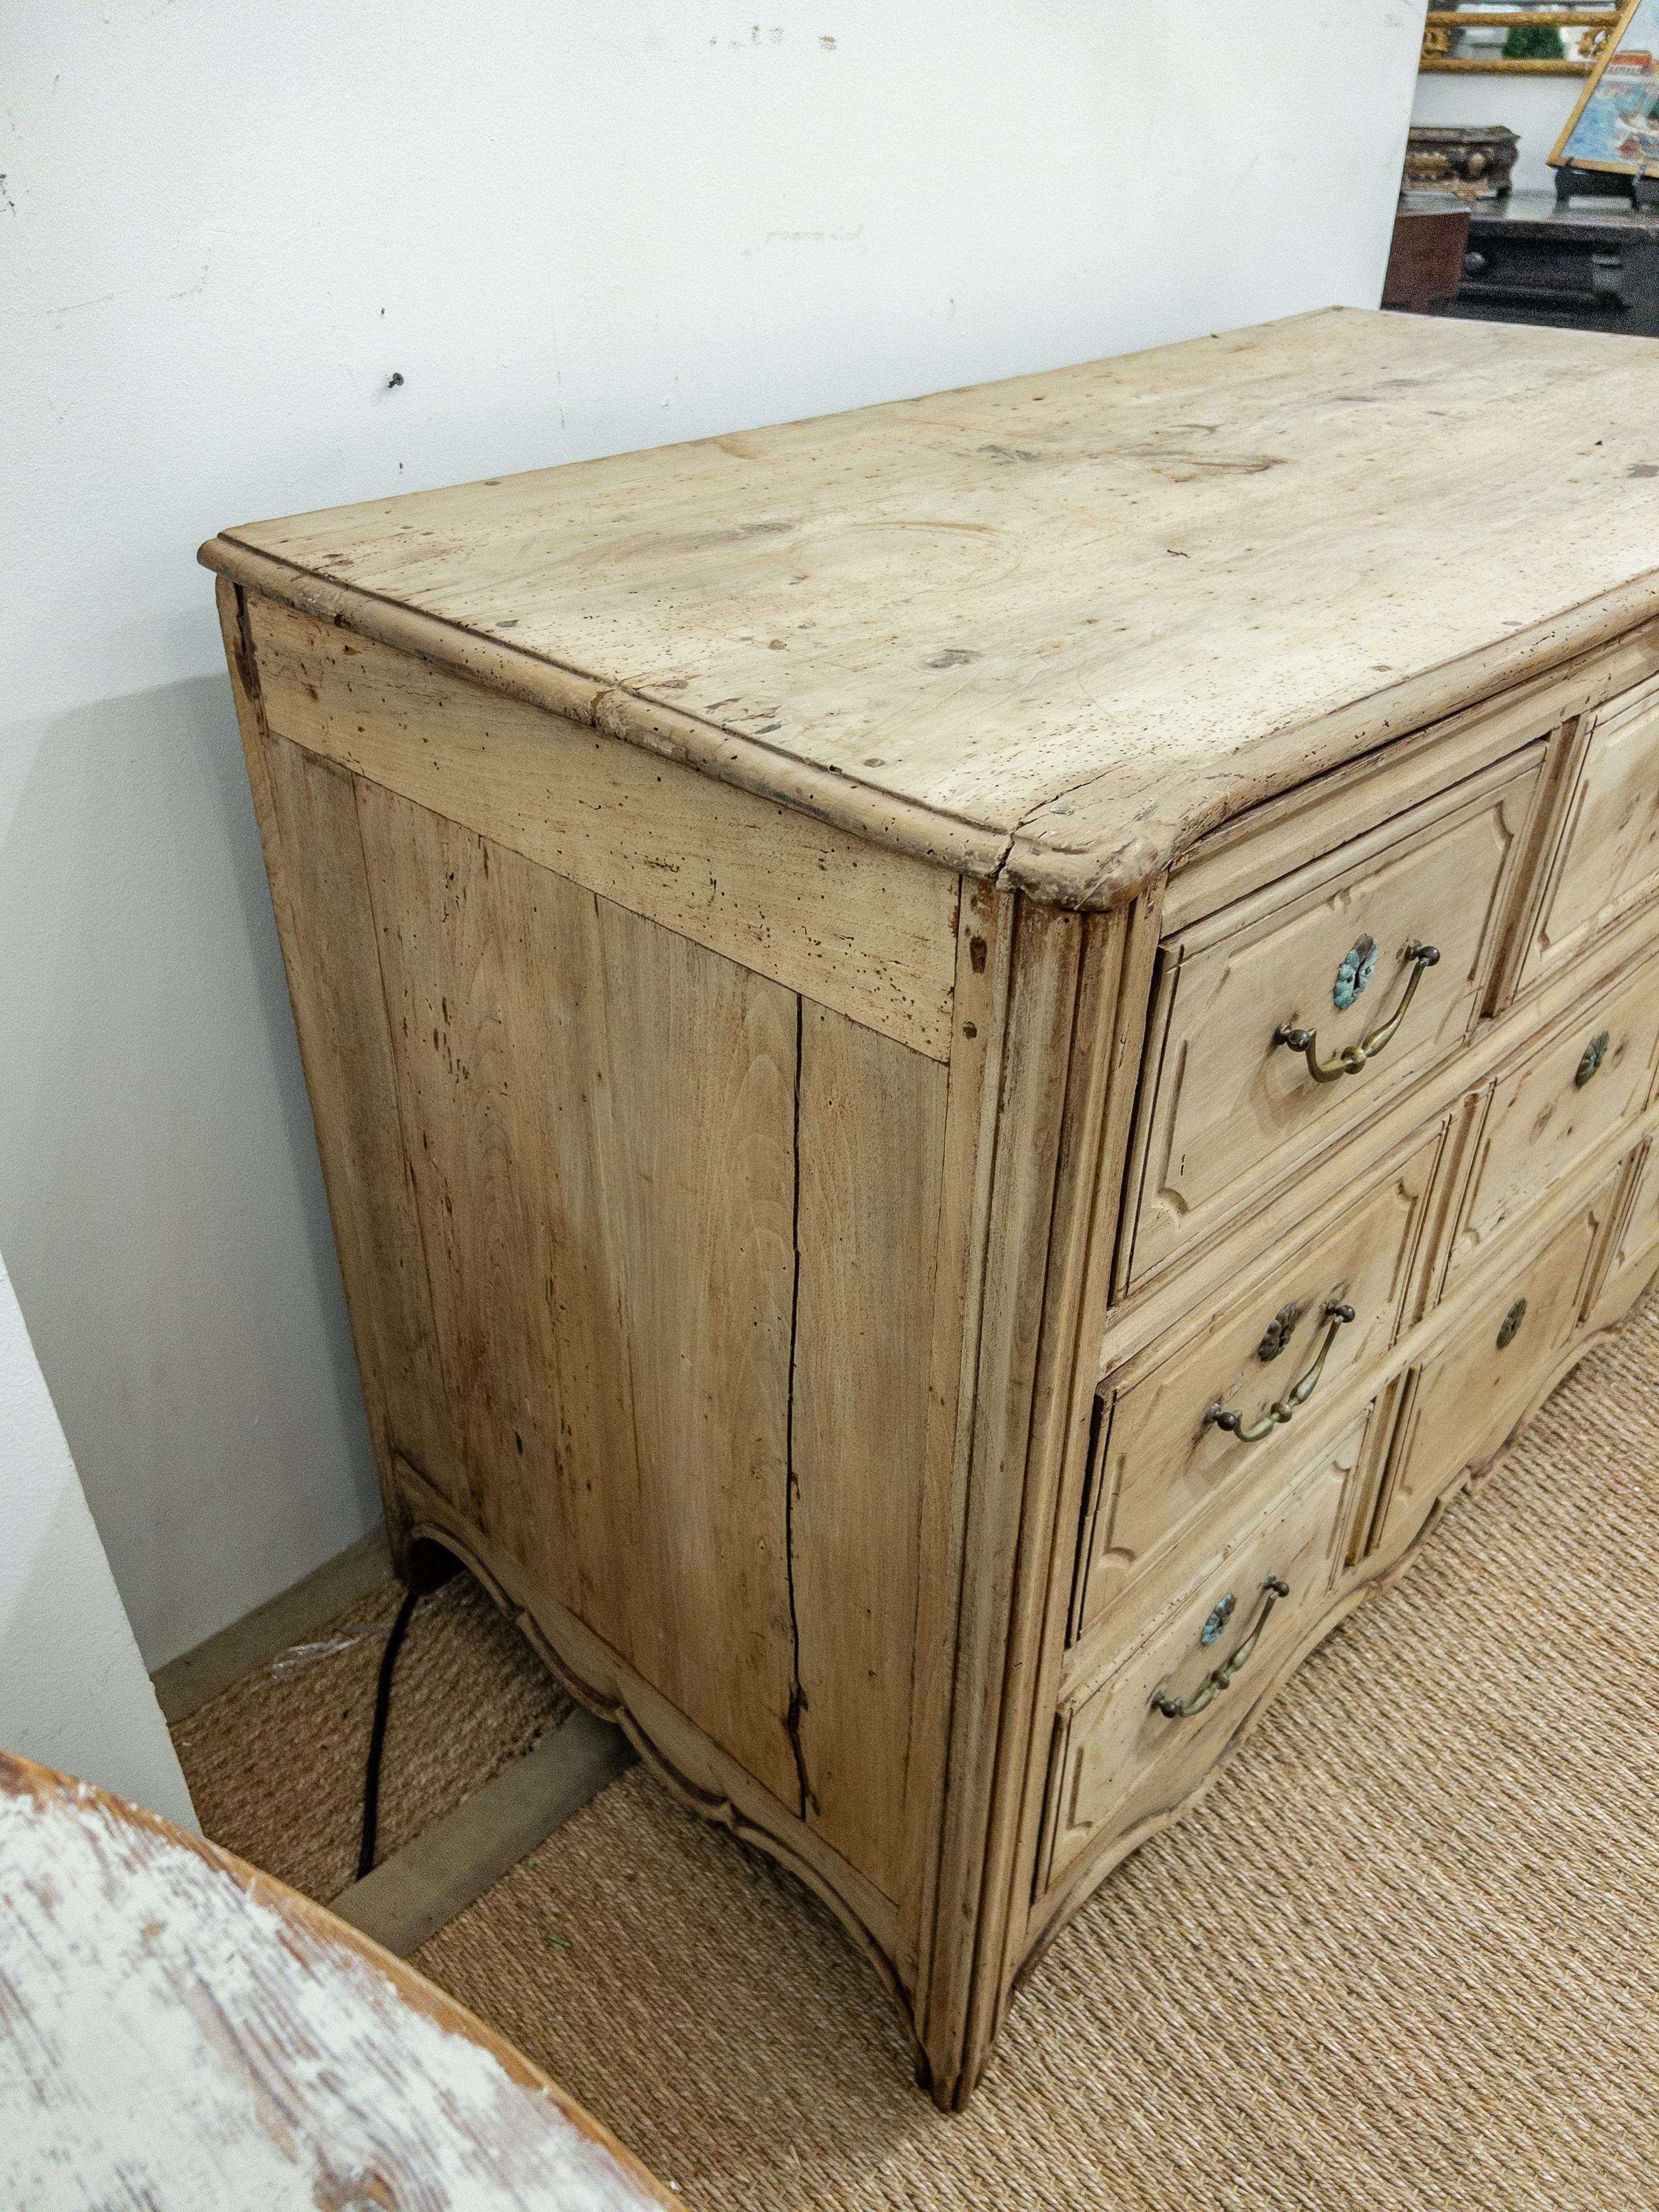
(1182, 1709)
(1353, 1057)
(1298, 1393)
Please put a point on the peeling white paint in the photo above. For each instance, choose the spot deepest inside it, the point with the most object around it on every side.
(168, 2041)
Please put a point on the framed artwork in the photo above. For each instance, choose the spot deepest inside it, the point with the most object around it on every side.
(1615, 124)
(1531, 41)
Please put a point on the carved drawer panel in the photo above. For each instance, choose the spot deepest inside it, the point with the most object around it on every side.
(1214, 1403)
(1640, 1231)
(1462, 1403)
(1553, 1111)
(1295, 1014)
(1635, 1254)
(1604, 861)
(1124, 1748)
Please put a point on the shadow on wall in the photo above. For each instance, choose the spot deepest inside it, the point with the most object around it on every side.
(159, 1182)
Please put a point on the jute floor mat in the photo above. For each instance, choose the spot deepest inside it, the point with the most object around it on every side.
(1406, 1956)
(276, 1764)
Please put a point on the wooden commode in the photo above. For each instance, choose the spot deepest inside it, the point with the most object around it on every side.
(967, 1055)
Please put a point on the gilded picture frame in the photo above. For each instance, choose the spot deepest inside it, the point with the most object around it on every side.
(1442, 25)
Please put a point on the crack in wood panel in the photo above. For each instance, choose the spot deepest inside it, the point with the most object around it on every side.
(871, 1161)
(600, 1115)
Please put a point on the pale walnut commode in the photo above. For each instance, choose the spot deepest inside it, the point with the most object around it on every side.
(853, 982)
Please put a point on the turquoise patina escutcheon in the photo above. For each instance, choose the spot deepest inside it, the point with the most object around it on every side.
(1220, 1615)
(1359, 966)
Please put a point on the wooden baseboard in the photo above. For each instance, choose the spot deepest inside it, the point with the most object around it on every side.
(185, 1684)
(423, 1888)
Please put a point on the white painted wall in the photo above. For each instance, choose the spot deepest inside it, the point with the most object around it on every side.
(73, 1690)
(1535, 108)
(572, 228)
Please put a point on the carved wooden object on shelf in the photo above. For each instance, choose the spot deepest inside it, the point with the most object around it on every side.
(1476, 161)
(947, 1045)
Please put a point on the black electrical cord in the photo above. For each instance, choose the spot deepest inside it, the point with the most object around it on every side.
(377, 1733)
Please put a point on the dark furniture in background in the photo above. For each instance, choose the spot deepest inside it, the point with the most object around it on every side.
(1532, 258)
(1427, 253)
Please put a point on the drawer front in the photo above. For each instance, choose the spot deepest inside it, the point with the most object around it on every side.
(1635, 1254)
(1551, 1111)
(1160, 1457)
(1229, 1106)
(1638, 1231)
(1460, 1406)
(1118, 1758)
(1605, 862)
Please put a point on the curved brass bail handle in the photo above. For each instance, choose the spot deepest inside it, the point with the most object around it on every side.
(1298, 1393)
(1353, 1057)
(1182, 1709)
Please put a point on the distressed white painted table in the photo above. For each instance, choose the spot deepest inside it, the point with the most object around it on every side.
(178, 2031)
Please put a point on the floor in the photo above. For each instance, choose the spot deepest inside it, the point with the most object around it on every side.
(1404, 1956)
(276, 1764)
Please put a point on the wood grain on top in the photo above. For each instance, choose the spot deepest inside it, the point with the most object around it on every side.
(1060, 625)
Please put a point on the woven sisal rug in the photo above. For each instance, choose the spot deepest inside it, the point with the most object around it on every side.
(1406, 1954)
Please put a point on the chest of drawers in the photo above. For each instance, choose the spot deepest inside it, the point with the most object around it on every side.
(967, 1055)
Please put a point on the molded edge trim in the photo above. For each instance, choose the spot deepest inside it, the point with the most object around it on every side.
(1068, 851)
(1062, 852)
(844, 802)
